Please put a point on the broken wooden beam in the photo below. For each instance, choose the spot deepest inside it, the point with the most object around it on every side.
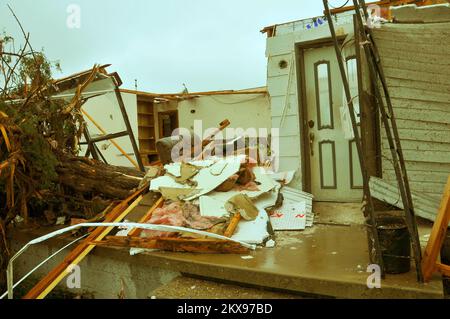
(46, 285)
(233, 225)
(205, 246)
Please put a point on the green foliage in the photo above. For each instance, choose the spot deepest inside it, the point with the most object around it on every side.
(43, 132)
(40, 158)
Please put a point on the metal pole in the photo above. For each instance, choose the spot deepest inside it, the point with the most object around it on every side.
(376, 73)
(10, 280)
(392, 117)
(367, 196)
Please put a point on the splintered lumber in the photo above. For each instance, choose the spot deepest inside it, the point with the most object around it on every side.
(222, 125)
(50, 281)
(205, 246)
(233, 225)
(136, 232)
(437, 237)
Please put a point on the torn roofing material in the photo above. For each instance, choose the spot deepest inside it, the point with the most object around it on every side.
(424, 206)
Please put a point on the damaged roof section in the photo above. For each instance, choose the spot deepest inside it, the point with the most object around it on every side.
(73, 80)
(165, 97)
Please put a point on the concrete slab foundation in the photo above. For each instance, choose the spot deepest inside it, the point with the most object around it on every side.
(329, 259)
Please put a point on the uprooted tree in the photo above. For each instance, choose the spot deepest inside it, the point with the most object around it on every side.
(41, 175)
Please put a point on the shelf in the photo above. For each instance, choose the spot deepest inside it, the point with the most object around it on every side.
(148, 126)
(146, 138)
(145, 113)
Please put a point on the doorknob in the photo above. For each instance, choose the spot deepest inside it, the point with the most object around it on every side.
(311, 124)
(311, 143)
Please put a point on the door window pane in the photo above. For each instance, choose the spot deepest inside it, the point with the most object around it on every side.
(352, 75)
(356, 180)
(324, 95)
(327, 154)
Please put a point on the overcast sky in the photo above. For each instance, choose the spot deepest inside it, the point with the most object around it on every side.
(206, 44)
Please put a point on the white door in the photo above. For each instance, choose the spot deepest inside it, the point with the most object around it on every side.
(335, 170)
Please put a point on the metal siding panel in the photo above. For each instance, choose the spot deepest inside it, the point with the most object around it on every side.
(416, 61)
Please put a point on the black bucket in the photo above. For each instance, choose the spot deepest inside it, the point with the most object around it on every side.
(395, 244)
(445, 259)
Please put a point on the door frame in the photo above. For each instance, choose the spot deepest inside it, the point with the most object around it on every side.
(160, 128)
(367, 137)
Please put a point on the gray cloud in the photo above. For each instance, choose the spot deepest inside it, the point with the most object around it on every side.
(209, 45)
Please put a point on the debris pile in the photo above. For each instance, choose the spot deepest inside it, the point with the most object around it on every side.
(230, 196)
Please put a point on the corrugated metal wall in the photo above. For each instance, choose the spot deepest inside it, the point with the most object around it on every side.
(416, 62)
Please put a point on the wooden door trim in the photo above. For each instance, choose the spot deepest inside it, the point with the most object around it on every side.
(372, 135)
(160, 128)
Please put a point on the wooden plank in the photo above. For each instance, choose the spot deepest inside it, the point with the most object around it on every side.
(101, 138)
(425, 125)
(432, 48)
(398, 38)
(437, 235)
(43, 287)
(405, 35)
(443, 269)
(421, 156)
(419, 95)
(421, 146)
(414, 56)
(400, 79)
(418, 176)
(427, 167)
(418, 28)
(421, 105)
(397, 61)
(422, 135)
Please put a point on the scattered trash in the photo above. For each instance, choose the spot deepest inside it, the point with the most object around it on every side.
(291, 216)
(18, 219)
(61, 220)
(247, 257)
(270, 243)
